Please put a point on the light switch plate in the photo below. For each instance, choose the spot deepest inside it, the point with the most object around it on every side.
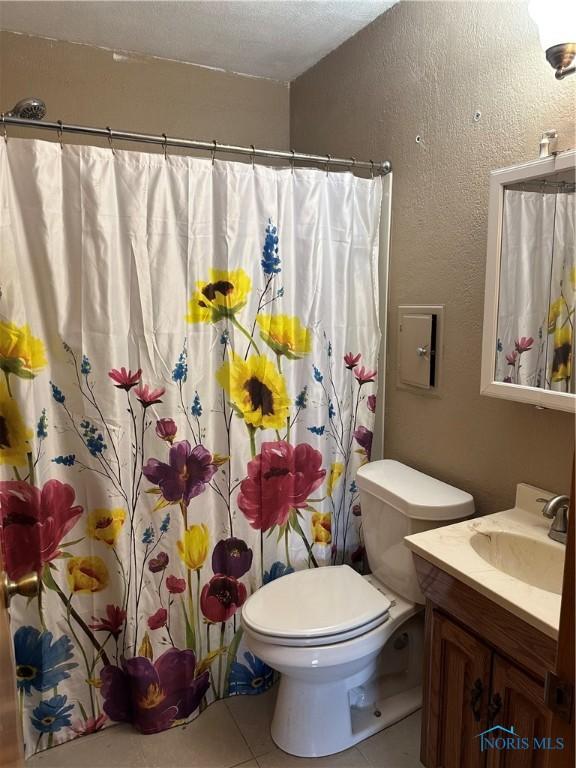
(419, 348)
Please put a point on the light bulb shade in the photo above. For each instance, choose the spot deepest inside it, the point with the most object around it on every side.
(556, 21)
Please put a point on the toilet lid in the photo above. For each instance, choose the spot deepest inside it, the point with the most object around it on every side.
(315, 603)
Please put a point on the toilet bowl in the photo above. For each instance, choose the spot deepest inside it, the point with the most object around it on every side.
(349, 647)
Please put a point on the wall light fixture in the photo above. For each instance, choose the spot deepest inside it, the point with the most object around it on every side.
(556, 22)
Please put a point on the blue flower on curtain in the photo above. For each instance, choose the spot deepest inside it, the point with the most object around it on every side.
(255, 677)
(52, 715)
(40, 663)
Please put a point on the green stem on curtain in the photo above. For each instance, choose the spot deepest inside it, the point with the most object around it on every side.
(220, 655)
(297, 527)
(286, 535)
(279, 362)
(245, 332)
(21, 704)
(84, 656)
(81, 623)
(252, 435)
(198, 624)
(8, 387)
(31, 475)
(38, 743)
(16, 473)
(214, 691)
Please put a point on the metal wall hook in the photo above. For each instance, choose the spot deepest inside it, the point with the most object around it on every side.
(165, 146)
(213, 151)
(253, 154)
(110, 142)
(328, 159)
(60, 133)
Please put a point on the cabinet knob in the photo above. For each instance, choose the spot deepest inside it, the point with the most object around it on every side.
(494, 707)
(27, 586)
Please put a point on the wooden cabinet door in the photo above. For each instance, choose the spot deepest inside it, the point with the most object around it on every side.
(517, 702)
(456, 697)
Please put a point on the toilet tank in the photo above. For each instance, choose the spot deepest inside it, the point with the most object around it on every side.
(397, 501)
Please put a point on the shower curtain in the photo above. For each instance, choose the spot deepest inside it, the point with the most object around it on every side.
(537, 300)
(188, 384)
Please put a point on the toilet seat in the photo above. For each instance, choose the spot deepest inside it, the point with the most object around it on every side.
(315, 607)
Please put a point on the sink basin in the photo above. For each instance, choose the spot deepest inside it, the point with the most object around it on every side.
(537, 562)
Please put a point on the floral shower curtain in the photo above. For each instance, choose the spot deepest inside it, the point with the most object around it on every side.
(188, 354)
(537, 290)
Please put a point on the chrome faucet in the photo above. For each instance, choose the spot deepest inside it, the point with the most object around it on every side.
(556, 509)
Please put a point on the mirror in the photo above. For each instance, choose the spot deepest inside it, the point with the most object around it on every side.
(529, 322)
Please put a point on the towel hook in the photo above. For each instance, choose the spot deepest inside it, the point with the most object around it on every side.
(110, 142)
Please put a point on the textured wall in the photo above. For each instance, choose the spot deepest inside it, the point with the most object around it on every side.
(424, 68)
(93, 86)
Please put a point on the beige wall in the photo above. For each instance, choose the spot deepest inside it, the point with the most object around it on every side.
(94, 86)
(425, 68)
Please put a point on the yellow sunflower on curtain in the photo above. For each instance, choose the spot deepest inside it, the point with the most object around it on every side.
(224, 294)
(285, 335)
(14, 434)
(257, 391)
(21, 353)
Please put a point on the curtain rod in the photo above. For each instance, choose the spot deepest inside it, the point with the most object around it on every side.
(209, 146)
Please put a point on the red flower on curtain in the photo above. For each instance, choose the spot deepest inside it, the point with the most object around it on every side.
(33, 522)
(280, 478)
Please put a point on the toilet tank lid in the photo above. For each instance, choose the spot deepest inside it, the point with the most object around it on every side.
(413, 493)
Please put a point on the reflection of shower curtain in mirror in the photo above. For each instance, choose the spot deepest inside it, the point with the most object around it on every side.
(537, 290)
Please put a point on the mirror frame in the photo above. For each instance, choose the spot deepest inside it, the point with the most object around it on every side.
(542, 398)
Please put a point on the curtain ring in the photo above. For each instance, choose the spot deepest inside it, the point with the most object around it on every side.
(60, 131)
(213, 152)
(165, 145)
(292, 161)
(253, 153)
(328, 158)
(110, 139)
(5, 132)
(371, 169)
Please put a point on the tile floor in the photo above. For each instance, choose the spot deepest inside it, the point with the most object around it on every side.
(230, 734)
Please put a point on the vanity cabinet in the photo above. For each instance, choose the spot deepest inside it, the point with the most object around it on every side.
(484, 668)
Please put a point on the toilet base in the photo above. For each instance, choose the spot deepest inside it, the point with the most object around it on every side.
(305, 737)
(319, 718)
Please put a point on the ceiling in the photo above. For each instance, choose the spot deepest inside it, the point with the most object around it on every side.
(265, 38)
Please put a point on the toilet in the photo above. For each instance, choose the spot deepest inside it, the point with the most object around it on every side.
(349, 647)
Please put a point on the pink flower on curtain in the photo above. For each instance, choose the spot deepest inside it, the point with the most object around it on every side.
(158, 619)
(166, 429)
(175, 586)
(364, 375)
(221, 598)
(147, 396)
(112, 622)
(125, 379)
(33, 522)
(524, 344)
(352, 360)
(280, 478)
